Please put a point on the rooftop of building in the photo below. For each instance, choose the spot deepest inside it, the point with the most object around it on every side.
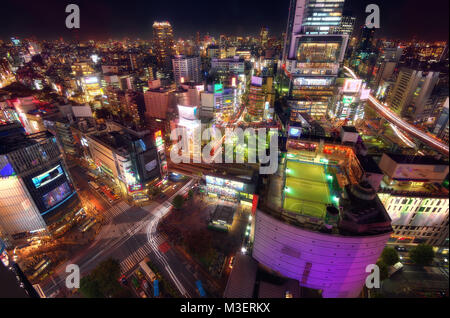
(289, 289)
(312, 194)
(417, 160)
(241, 282)
(362, 211)
(15, 139)
(369, 164)
(120, 142)
(414, 189)
(223, 213)
(350, 129)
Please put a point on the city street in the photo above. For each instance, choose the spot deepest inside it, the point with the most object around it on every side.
(130, 236)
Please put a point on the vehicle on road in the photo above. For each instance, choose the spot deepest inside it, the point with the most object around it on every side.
(200, 289)
(148, 272)
(395, 268)
(142, 294)
(94, 185)
(93, 176)
(400, 248)
(231, 262)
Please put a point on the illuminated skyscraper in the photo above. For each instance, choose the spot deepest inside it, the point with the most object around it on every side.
(366, 39)
(347, 25)
(186, 68)
(163, 43)
(311, 17)
(313, 53)
(263, 36)
(411, 94)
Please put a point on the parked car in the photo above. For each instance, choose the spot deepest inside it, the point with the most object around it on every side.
(400, 248)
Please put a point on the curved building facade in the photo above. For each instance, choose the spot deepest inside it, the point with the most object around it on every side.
(331, 263)
(37, 194)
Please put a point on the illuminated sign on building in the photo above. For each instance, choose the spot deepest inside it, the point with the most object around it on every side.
(161, 155)
(223, 182)
(293, 131)
(305, 81)
(352, 85)
(47, 177)
(91, 80)
(218, 88)
(158, 138)
(258, 81)
(187, 112)
(346, 100)
(135, 187)
(56, 195)
(364, 94)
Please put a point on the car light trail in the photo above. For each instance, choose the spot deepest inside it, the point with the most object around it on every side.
(403, 125)
(408, 142)
(152, 234)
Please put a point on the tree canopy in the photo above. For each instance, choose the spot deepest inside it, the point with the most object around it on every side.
(390, 256)
(178, 202)
(102, 282)
(422, 254)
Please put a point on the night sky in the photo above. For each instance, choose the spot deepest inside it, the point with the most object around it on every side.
(104, 19)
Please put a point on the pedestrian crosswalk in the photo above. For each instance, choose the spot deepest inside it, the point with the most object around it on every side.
(115, 210)
(137, 256)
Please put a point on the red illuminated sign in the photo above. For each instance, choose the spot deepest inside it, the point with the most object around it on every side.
(254, 203)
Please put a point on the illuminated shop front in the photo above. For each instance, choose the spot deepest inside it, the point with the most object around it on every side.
(230, 190)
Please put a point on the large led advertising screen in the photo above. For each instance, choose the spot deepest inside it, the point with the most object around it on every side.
(47, 176)
(56, 195)
(311, 81)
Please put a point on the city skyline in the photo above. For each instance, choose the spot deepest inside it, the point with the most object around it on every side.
(234, 163)
(102, 20)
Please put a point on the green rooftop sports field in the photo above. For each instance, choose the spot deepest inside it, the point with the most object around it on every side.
(306, 189)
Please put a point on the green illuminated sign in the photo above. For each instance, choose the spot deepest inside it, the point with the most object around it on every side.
(218, 88)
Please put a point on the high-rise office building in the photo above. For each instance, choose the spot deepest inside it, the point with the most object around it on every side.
(256, 100)
(163, 43)
(264, 36)
(387, 61)
(411, 94)
(311, 17)
(259, 98)
(366, 38)
(312, 55)
(186, 69)
(347, 25)
(442, 123)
